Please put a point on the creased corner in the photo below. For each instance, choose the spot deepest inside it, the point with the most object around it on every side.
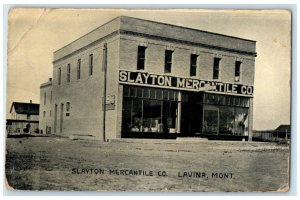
(284, 188)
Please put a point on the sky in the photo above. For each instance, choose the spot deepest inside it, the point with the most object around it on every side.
(34, 34)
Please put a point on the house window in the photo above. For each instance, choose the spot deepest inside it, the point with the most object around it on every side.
(68, 73)
(59, 76)
(91, 65)
(28, 116)
(141, 57)
(44, 114)
(168, 61)
(216, 68)
(193, 67)
(237, 71)
(45, 97)
(78, 68)
(68, 106)
(50, 113)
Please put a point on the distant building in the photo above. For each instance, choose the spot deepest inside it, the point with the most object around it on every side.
(263, 135)
(45, 107)
(23, 115)
(283, 131)
(135, 78)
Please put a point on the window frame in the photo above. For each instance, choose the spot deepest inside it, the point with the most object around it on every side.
(45, 98)
(91, 64)
(69, 73)
(237, 73)
(216, 68)
(193, 64)
(141, 57)
(78, 69)
(168, 62)
(59, 76)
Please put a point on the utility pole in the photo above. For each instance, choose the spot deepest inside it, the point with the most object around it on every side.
(104, 69)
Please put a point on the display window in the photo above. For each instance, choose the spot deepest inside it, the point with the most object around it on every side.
(225, 115)
(211, 119)
(149, 110)
(241, 121)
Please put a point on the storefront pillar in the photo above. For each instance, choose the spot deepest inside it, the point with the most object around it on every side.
(178, 122)
(250, 134)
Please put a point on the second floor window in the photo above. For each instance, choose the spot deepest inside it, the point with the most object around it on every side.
(193, 67)
(68, 73)
(237, 71)
(141, 57)
(68, 106)
(216, 69)
(91, 64)
(59, 76)
(168, 61)
(78, 68)
(45, 97)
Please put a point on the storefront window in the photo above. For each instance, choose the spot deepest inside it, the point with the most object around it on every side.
(151, 115)
(126, 119)
(169, 116)
(226, 120)
(136, 114)
(241, 121)
(226, 115)
(210, 122)
(149, 110)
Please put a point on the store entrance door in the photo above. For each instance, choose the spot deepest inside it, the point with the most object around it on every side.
(191, 117)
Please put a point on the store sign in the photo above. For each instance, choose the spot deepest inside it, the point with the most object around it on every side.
(110, 102)
(144, 78)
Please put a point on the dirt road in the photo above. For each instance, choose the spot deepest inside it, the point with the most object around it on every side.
(42, 163)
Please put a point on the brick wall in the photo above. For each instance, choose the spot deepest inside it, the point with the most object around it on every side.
(155, 53)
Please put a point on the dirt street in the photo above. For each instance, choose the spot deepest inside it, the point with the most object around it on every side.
(49, 163)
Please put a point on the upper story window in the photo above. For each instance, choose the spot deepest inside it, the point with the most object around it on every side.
(51, 96)
(78, 68)
(45, 97)
(59, 76)
(91, 64)
(68, 106)
(216, 70)
(44, 114)
(193, 67)
(68, 73)
(28, 116)
(168, 61)
(237, 71)
(141, 57)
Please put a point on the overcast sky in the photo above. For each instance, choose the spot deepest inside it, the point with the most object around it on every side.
(34, 34)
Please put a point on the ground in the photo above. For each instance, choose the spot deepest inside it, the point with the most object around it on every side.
(50, 163)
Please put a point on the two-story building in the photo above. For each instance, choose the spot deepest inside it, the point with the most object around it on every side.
(144, 79)
(23, 115)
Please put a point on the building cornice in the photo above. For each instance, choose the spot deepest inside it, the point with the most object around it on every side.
(87, 46)
(167, 39)
(155, 37)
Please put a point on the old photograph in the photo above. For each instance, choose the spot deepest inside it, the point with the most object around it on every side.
(148, 100)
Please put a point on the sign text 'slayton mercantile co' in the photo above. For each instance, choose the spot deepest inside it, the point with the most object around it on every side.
(134, 78)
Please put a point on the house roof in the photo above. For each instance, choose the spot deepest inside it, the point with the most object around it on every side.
(25, 108)
(283, 129)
